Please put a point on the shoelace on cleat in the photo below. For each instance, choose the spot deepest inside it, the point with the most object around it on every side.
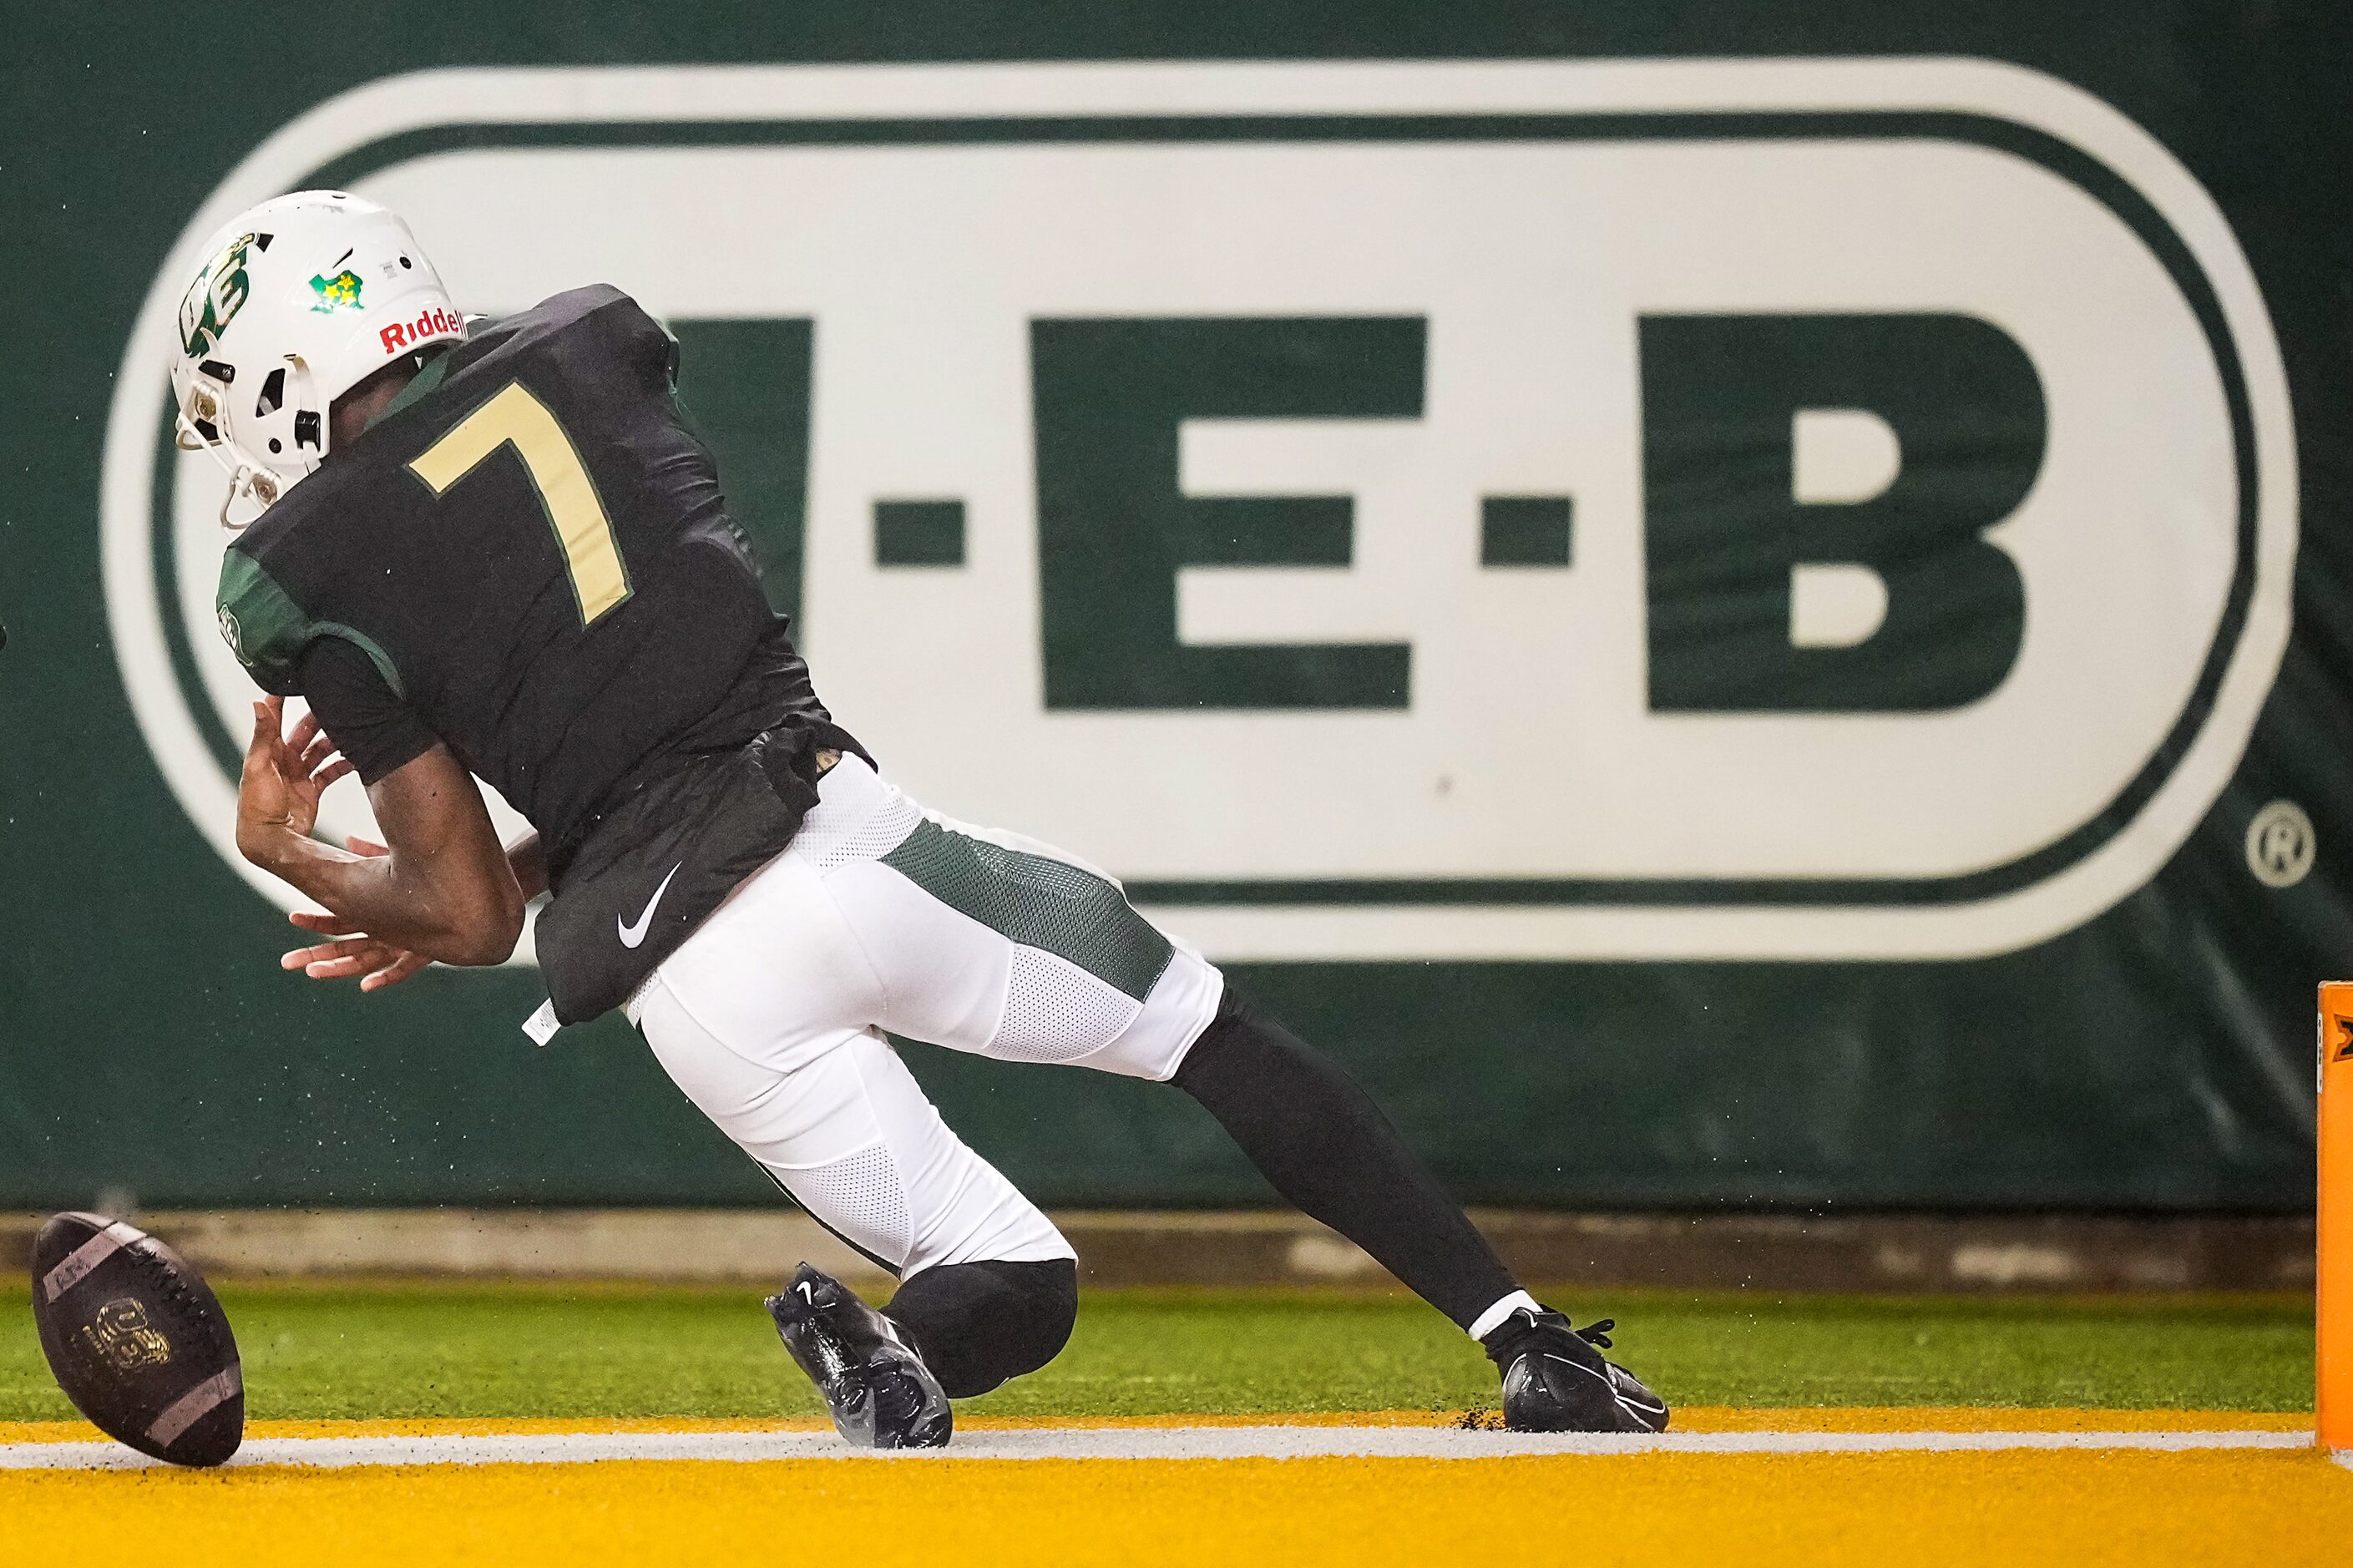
(1597, 1334)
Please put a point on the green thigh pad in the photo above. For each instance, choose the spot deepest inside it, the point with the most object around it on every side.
(1038, 902)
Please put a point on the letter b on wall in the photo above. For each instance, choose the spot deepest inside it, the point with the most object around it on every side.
(1729, 527)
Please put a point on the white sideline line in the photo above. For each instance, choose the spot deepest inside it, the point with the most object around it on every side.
(1116, 1443)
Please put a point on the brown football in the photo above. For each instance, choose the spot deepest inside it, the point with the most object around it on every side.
(137, 1340)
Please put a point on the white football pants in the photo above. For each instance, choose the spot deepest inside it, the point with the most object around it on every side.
(881, 916)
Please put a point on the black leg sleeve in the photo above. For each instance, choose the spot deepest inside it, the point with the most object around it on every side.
(977, 1324)
(1323, 1143)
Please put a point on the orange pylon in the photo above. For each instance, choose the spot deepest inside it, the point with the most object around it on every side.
(2333, 1395)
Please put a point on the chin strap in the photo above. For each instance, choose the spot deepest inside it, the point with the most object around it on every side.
(245, 480)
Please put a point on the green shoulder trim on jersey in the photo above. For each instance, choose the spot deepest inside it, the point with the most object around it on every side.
(1039, 903)
(265, 627)
(267, 630)
(420, 386)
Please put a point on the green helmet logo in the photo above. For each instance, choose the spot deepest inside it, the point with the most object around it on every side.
(342, 288)
(217, 296)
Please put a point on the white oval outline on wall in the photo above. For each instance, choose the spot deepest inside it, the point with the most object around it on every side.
(687, 94)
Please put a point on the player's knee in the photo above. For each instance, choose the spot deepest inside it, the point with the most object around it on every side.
(979, 1324)
(1217, 1039)
(1243, 1054)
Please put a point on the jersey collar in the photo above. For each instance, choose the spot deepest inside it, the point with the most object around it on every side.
(419, 385)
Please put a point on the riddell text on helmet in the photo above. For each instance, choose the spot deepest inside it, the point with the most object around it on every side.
(432, 324)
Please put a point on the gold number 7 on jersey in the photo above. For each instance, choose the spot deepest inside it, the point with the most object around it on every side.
(514, 417)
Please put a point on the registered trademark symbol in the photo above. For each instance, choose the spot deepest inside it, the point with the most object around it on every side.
(2280, 844)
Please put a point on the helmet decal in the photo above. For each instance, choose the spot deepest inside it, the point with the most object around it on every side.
(434, 321)
(217, 296)
(342, 288)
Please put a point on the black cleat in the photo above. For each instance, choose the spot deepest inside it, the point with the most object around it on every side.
(1556, 1380)
(881, 1393)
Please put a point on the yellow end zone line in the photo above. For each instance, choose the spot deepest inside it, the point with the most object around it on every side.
(1765, 1509)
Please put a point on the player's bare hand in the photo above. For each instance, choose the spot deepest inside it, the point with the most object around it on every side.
(284, 775)
(375, 965)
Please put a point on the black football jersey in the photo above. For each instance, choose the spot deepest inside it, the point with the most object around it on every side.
(531, 550)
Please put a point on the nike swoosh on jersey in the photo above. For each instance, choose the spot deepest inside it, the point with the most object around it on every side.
(632, 935)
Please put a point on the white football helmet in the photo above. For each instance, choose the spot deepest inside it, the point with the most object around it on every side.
(301, 299)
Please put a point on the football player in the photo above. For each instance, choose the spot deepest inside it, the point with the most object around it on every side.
(497, 550)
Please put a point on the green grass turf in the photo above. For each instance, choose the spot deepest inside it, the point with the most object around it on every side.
(397, 1350)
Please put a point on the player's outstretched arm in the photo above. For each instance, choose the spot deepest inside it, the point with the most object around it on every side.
(444, 892)
(355, 955)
